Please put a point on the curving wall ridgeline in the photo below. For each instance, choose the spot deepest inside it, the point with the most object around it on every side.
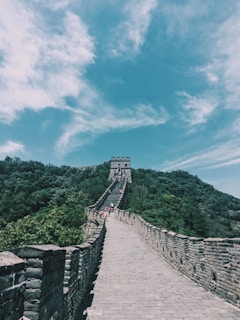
(214, 263)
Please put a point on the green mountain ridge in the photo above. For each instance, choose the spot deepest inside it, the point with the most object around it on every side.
(181, 202)
(45, 203)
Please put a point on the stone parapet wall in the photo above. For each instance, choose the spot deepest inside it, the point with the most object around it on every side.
(214, 263)
(12, 286)
(43, 296)
(47, 282)
(80, 267)
(121, 199)
(94, 207)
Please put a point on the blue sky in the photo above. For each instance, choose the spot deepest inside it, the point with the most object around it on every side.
(157, 80)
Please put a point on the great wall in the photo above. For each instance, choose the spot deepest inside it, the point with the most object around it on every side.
(47, 282)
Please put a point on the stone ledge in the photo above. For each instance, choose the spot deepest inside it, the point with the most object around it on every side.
(9, 262)
(38, 251)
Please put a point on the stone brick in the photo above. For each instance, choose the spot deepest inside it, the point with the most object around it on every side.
(212, 262)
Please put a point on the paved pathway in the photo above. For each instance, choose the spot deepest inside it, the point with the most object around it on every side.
(134, 283)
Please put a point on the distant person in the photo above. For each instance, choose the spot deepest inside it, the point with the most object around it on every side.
(106, 212)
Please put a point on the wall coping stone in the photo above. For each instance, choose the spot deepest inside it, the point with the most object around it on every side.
(83, 246)
(71, 248)
(91, 240)
(38, 251)
(172, 233)
(182, 236)
(10, 262)
(164, 230)
(195, 239)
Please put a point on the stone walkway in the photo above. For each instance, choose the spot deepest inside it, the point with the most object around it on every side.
(134, 283)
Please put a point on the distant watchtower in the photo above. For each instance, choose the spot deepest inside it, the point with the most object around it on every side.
(120, 167)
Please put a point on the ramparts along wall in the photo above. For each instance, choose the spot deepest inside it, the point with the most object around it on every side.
(47, 282)
(214, 263)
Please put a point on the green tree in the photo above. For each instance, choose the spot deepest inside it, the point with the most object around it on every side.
(59, 225)
(183, 203)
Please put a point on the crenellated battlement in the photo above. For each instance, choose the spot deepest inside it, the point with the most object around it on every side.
(214, 263)
(49, 282)
(46, 282)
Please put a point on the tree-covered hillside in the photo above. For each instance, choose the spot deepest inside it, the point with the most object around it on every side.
(183, 203)
(45, 203)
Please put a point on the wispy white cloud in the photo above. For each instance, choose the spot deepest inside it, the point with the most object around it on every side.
(85, 127)
(218, 156)
(129, 36)
(231, 132)
(180, 16)
(221, 49)
(209, 72)
(39, 65)
(58, 4)
(47, 63)
(196, 110)
(235, 128)
(11, 148)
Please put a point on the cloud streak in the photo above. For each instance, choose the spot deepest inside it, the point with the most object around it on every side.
(129, 36)
(47, 63)
(180, 17)
(196, 110)
(86, 127)
(221, 48)
(59, 4)
(11, 148)
(41, 66)
(218, 156)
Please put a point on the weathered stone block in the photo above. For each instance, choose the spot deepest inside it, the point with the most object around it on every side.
(34, 263)
(32, 294)
(33, 284)
(33, 315)
(32, 306)
(10, 263)
(34, 273)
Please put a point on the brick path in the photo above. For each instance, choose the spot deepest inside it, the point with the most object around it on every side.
(134, 283)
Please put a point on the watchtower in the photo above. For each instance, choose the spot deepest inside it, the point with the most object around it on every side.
(120, 168)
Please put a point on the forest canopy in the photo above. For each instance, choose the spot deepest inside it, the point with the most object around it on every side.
(45, 203)
(181, 202)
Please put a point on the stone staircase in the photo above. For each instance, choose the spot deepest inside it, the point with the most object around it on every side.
(113, 196)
